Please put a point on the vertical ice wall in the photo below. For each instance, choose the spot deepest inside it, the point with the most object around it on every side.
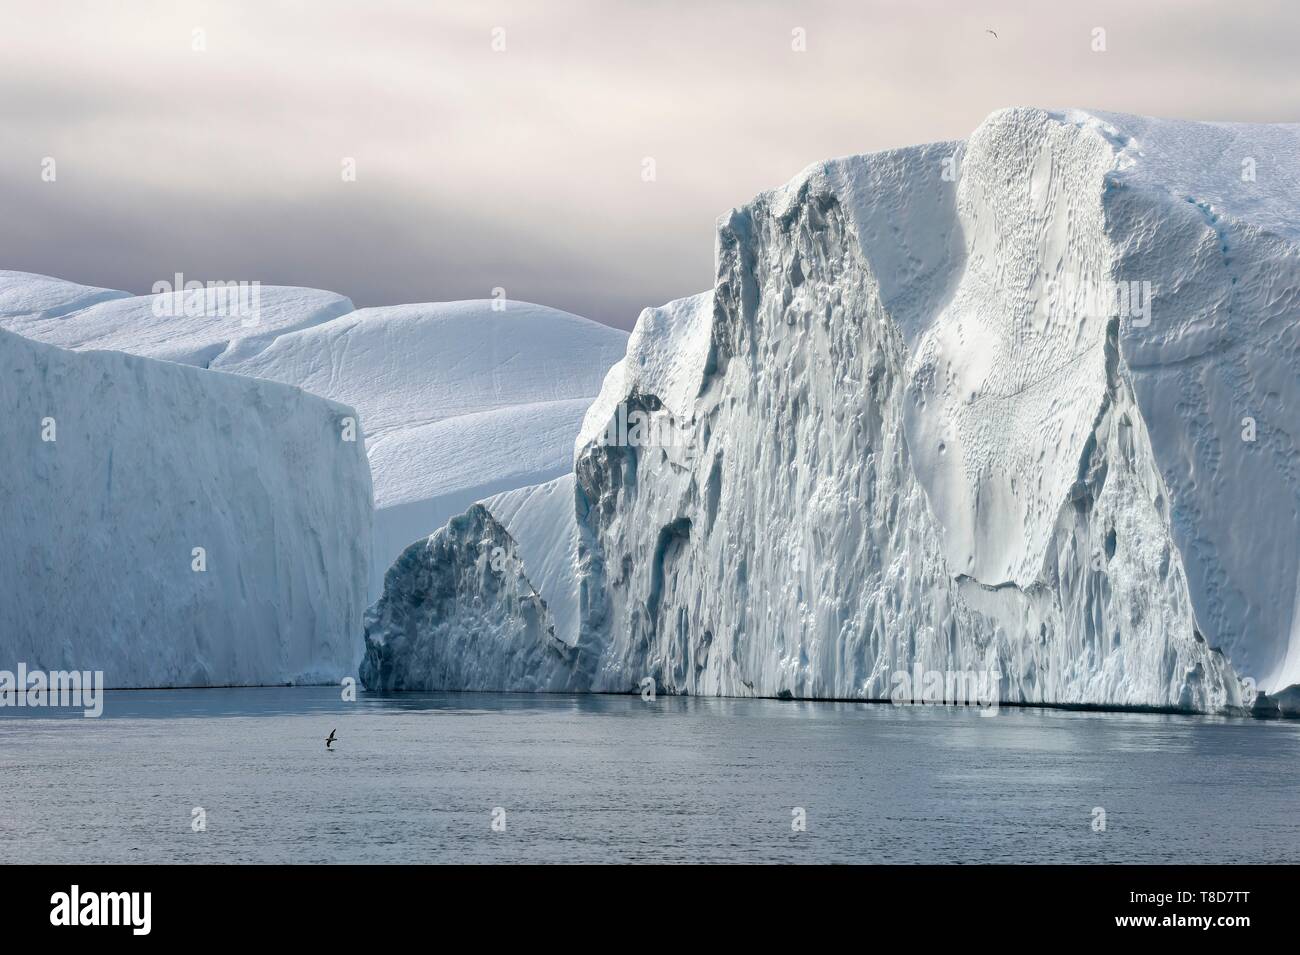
(173, 526)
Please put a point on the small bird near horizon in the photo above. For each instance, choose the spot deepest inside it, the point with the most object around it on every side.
(329, 740)
(995, 36)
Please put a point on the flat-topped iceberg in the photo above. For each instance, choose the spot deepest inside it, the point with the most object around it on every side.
(172, 526)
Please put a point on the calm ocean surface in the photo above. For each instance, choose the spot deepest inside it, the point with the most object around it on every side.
(416, 778)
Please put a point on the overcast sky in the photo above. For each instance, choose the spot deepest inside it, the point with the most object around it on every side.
(522, 168)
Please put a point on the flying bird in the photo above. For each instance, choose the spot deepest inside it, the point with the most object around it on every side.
(995, 36)
(329, 740)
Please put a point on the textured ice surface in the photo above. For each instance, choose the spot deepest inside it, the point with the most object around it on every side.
(158, 326)
(26, 297)
(469, 616)
(148, 461)
(920, 433)
(666, 357)
(459, 400)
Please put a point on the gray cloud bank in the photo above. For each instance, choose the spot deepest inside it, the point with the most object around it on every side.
(522, 168)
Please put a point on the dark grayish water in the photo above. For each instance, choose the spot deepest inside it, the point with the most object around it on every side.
(415, 778)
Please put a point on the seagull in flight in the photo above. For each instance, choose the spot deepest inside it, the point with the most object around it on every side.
(329, 741)
(995, 36)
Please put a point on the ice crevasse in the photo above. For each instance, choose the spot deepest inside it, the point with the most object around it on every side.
(1022, 404)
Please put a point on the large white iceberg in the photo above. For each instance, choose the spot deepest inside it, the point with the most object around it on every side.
(1019, 405)
(458, 400)
(173, 526)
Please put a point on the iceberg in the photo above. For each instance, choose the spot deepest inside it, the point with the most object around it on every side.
(1017, 405)
(172, 526)
(459, 400)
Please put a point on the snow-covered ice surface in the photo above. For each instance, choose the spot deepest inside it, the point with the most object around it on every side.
(919, 434)
(209, 328)
(148, 461)
(459, 400)
(27, 298)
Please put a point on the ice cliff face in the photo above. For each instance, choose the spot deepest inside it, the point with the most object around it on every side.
(1195, 225)
(1013, 405)
(117, 468)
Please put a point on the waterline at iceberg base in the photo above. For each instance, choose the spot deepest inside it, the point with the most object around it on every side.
(916, 434)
